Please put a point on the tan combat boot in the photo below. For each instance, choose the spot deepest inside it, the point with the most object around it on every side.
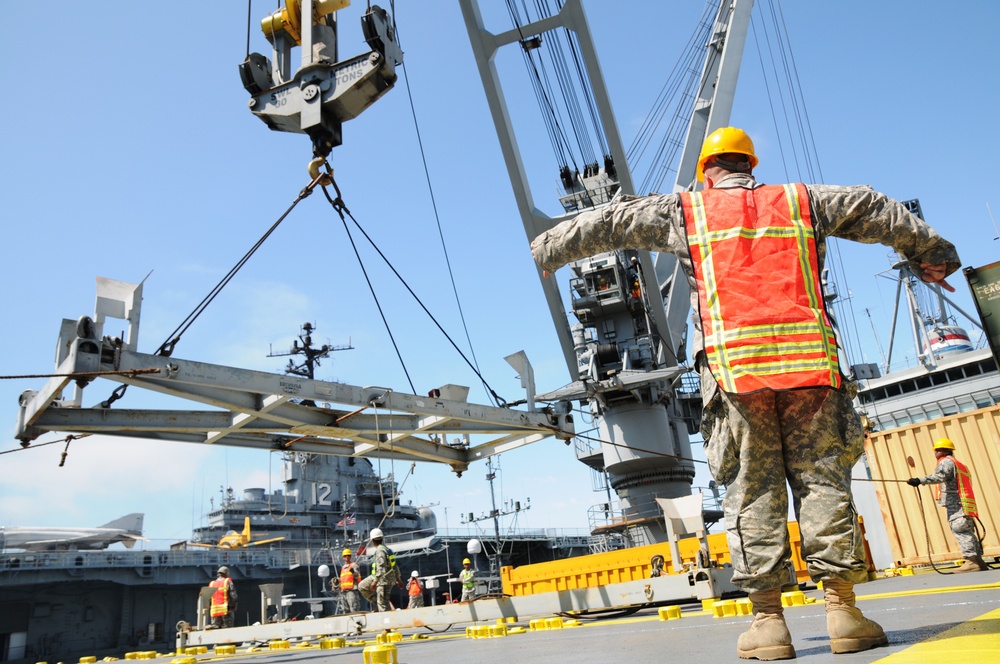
(972, 564)
(849, 630)
(768, 636)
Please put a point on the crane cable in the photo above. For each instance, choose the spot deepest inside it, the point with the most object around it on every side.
(341, 209)
(430, 192)
(167, 347)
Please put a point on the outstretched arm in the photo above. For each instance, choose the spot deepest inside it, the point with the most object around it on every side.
(646, 223)
(865, 215)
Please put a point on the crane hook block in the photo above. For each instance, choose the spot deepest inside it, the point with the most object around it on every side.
(322, 94)
(314, 172)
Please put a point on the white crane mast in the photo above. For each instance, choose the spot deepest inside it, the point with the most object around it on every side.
(625, 352)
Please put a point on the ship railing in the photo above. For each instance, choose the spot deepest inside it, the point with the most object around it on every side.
(410, 535)
(146, 562)
(559, 536)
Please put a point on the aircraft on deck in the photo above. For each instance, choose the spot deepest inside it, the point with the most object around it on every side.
(235, 540)
(127, 530)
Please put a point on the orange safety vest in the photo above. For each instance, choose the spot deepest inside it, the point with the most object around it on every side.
(965, 495)
(220, 598)
(348, 578)
(414, 588)
(760, 297)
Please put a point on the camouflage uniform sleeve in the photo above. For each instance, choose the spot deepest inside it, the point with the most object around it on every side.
(944, 472)
(651, 223)
(864, 215)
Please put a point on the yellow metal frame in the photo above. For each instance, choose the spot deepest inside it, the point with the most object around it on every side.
(599, 569)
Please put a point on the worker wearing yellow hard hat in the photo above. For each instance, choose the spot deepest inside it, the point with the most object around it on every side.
(724, 143)
(954, 493)
(944, 444)
(350, 577)
(467, 577)
(777, 412)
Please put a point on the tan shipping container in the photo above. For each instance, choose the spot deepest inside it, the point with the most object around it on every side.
(915, 523)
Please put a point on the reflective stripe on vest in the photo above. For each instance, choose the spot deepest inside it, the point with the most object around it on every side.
(392, 560)
(760, 297)
(965, 495)
(347, 578)
(220, 598)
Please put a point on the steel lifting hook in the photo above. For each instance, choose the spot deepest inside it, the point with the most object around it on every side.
(314, 173)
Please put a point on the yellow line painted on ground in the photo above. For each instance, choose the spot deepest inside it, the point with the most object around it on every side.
(931, 591)
(976, 641)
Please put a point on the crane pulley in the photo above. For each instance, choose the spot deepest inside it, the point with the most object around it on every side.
(322, 93)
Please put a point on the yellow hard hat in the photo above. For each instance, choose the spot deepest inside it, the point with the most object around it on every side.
(466, 562)
(346, 552)
(725, 140)
(944, 444)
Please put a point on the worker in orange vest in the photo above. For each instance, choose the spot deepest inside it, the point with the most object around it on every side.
(350, 577)
(776, 407)
(954, 494)
(415, 591)
(223, 608)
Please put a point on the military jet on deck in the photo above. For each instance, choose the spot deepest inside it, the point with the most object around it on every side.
(127, 530)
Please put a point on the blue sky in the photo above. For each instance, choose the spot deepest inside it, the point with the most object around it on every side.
(129, 149)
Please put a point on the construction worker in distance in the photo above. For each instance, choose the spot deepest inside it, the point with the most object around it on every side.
(467, 577)
(384, 574)
(415, 591)
(223, 609)
(350, 578)
(776, 407)
(954, 494)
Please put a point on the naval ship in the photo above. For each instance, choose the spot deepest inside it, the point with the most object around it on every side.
(56, 603)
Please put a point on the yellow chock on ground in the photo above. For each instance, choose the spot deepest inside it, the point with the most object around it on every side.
(744, 607)
(183, 660)
(537, 624)
(477, 632)
(225, 650)
(417, 637)
(707, 604)
(128, 655)
(516, 630)
(498, 630)
(554, 623)
(147, 654)
(109, 659)
(381, 653)
(332, 644)
(669, 612)
(202, 650)
(88, 660)
(304, 644)
(896, 571)
(793, 598)
(724, 608)
(572, 623)
(278, 645)
(511, 619)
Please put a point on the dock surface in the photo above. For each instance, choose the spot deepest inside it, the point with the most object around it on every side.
(928, 617)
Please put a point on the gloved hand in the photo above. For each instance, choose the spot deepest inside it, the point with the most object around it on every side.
(913, 481)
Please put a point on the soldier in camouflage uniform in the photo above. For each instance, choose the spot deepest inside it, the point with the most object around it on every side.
(758, 438)
(956, 497)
